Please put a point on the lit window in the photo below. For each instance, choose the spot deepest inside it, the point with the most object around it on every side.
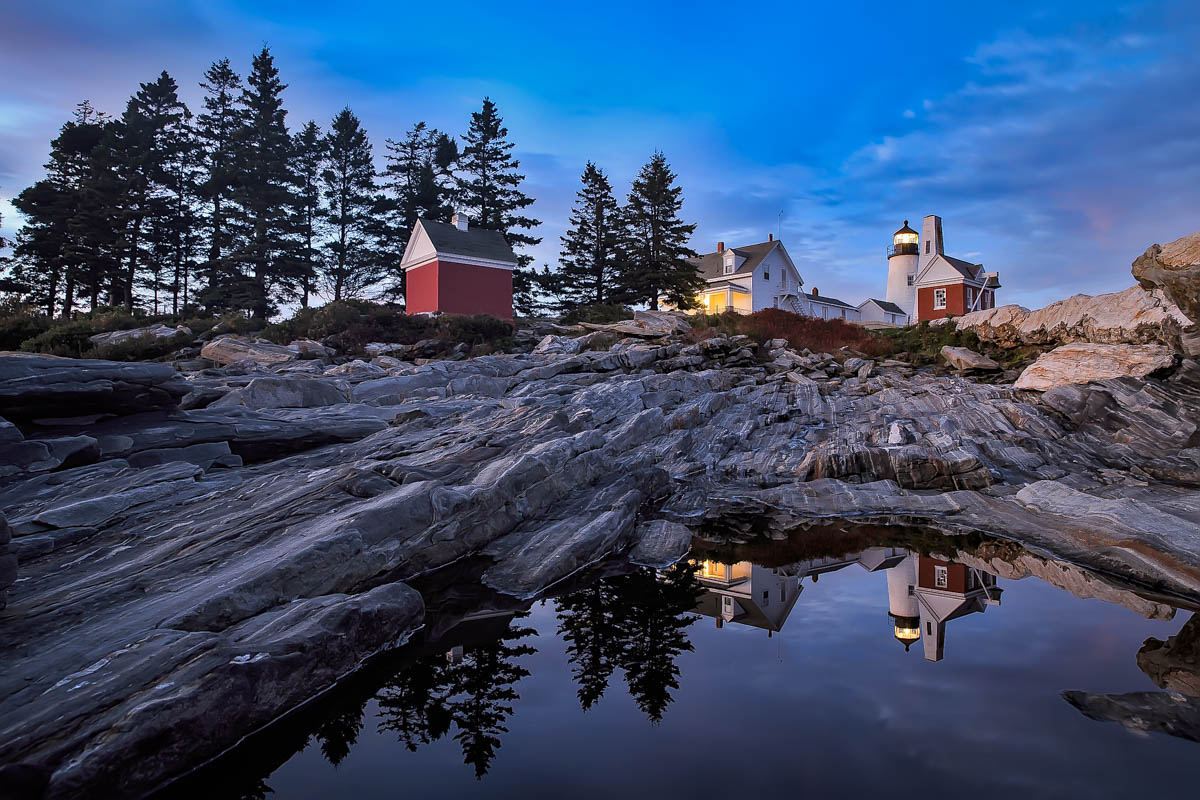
(939, 298)
(940, 577)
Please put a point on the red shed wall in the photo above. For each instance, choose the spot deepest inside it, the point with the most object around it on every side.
(422, 289)
(955, 301)
(467, 289)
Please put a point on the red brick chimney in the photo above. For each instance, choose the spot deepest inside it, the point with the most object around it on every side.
(720, 247)
(770, 237)
(814, 292)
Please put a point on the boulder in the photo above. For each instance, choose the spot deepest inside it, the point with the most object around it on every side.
(36, 386)
(307, 348)
(283, 392)
(151, 333)
(1173, 268)
(1134, 316)
(964, 358)
(1088, 363)
(668, 321)
(231, 349)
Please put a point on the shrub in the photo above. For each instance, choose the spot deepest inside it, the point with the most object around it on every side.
(923, 342)
(20, 327)
(818, 335)
(350, 325)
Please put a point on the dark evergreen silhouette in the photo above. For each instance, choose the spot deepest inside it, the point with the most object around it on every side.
(656, 266)
(338, 733)
(216, 131)
(420, 184)
(490, 191)
(262, 188)
(303, 266)
(475, 694)
(351, 262)
(66, 248)
(591, 248)
(637, 622)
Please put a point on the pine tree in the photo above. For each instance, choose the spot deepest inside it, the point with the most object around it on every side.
(591, 248)
(351, 261)
(136, 153)
(262, 186)
(171, 230)
(657, 245)
(66, 247)
(419, 184)
(308, 158)
(489, 189)
(216, 131)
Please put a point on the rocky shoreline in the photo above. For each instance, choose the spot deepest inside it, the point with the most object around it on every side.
(204, 551)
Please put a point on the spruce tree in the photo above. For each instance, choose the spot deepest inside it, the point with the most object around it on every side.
(262, 186)
(657, 240)
(419, 183)
(591, 248)
(135, 154)
(308, 159)
(489, 189)
(216, 130)
(351, 262)
(65, 250)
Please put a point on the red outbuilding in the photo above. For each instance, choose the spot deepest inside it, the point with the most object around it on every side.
(453, 269)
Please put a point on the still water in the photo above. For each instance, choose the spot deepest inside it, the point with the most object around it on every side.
(897, 671)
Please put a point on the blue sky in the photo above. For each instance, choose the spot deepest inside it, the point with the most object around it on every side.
(1056, 142)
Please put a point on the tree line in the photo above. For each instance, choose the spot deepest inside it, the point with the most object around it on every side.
(228, 210)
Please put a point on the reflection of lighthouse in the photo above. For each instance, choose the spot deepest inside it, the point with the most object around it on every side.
(925, 593)
(903, 607)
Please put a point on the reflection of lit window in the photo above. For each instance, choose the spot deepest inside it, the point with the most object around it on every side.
(940, 578)
(939, 298)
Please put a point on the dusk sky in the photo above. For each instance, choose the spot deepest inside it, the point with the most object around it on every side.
(1057, 141)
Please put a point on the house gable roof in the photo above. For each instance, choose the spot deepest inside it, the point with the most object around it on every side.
(447, 240)
(712, 265)
(965, 269)
(884, 305)
(829, 301)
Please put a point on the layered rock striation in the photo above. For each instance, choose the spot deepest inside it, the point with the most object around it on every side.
(232, 543)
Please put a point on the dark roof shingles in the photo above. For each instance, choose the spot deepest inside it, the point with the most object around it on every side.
(473, 242)
(711, 265)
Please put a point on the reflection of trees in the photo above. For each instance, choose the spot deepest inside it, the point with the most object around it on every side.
(636, 622)
(339, 733)
(420, 702)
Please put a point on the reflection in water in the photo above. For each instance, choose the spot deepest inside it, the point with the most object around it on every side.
(636, 622)
(460, 679)
(924, 592)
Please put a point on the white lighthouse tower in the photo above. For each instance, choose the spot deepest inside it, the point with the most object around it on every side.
(903, 606)
(903, 256)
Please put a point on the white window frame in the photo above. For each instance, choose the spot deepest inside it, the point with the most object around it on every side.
(939, 299)
(941, 577)
(730, 263)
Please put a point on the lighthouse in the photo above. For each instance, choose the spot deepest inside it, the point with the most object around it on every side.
(903, 607)
(903, 256)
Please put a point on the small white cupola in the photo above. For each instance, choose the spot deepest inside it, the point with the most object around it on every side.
(459, 220)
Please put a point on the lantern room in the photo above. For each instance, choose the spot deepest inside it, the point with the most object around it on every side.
(904, 242)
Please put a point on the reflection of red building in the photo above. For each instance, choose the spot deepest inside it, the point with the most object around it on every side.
(453, 269)
(925, 593)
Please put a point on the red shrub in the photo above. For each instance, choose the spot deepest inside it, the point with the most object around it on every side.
(818, 335)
